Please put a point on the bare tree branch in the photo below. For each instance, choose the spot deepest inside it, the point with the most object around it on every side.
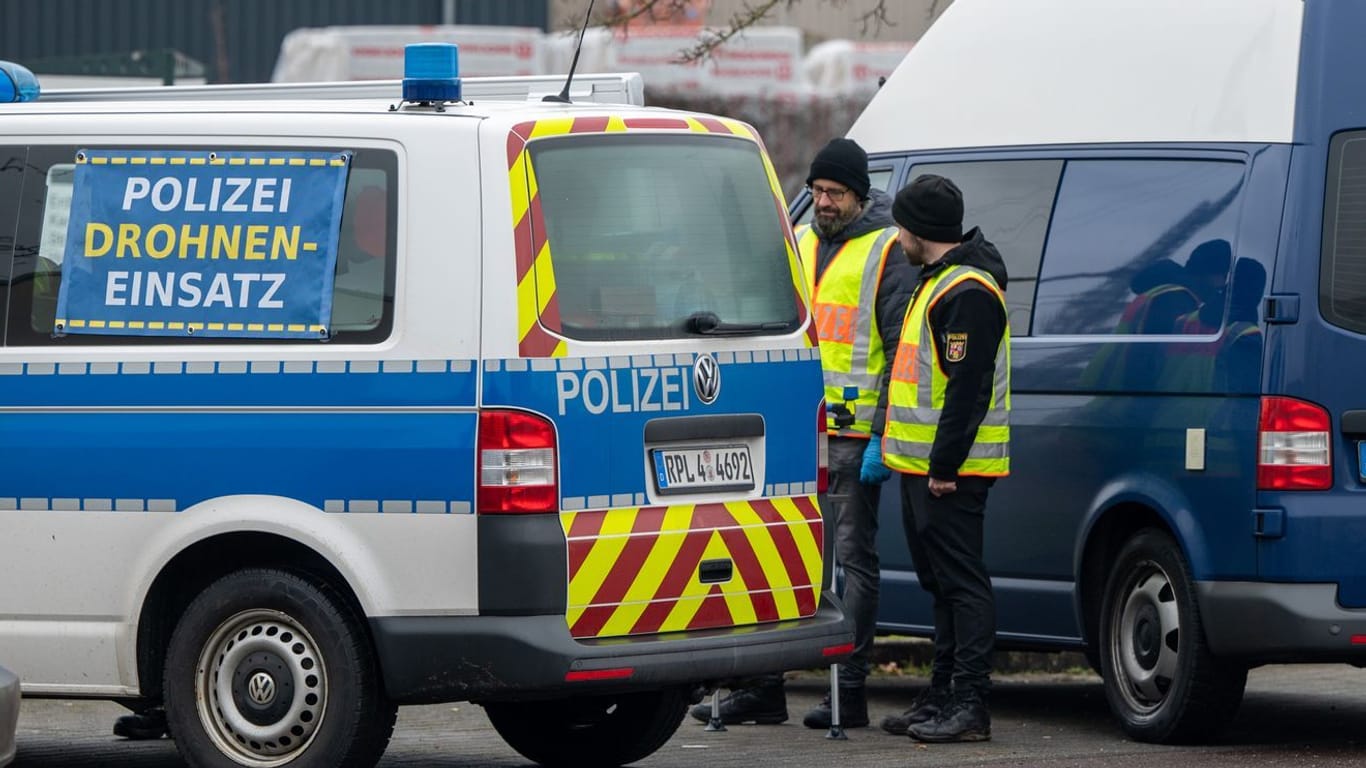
(709, 41)
(615, 17)
(873, 18)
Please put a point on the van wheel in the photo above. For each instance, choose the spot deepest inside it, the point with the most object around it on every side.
(1161, 680)
(267, 668)
(598, 730)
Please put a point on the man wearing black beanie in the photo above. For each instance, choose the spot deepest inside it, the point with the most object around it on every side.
(859, 283)
(952, 374)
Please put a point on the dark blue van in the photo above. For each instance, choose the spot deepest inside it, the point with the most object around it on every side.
(1179, 191)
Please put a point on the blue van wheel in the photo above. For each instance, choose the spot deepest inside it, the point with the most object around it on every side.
(1161, 680)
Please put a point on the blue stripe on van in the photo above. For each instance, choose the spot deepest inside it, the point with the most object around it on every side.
(157, 436)
(404, 462)
(163, 436)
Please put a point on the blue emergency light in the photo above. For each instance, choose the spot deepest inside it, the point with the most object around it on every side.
(17, 83)
(431, 72)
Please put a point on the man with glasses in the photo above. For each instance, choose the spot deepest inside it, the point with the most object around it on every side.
(860, 284)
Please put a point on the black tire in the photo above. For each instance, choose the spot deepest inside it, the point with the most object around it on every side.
(267, 667)
(1161, 680)
(598, 730)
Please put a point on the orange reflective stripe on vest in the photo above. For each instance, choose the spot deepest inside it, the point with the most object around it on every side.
(845, 302)
(915, 397)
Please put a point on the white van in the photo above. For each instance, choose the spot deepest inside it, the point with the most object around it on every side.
(318, 406)
(1175, 187)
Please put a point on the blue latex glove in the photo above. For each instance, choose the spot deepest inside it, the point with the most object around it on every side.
(873, 471)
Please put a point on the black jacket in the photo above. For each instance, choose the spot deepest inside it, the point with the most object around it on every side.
(894, 289)
(968, 308)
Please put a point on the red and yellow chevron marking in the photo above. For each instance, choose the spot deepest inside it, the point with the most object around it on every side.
(635, 570)
(538, 310)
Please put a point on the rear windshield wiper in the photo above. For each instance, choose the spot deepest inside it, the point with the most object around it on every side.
(710, 324)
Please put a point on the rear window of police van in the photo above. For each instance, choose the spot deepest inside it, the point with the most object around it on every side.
(661, 236)
(363, 276)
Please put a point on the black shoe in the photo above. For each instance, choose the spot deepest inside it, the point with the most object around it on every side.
(763, 705)
(964, 719)
(143, 726)
(922, 709)
(853, 710)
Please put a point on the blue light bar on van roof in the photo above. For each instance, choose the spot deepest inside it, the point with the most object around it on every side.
(17, 83)
(431, 72)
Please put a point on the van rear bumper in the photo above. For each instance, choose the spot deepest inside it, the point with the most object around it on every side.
(429, 659)
(1270, 622)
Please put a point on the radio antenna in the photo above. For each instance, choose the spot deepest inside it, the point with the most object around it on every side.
(563, 96)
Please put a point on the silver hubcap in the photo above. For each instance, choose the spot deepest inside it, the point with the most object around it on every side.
(1147, 639)
(261, 688)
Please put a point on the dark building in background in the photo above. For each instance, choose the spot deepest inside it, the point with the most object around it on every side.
(236, 40)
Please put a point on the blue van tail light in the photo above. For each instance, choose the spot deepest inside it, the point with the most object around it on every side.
(516, 463)
(1293, 446)
(431, 72)
(822, 451)
(17, 83)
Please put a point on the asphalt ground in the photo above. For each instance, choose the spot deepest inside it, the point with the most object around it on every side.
(1306, 715)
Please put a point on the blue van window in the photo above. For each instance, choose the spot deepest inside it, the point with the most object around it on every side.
(363, 289)
(1129, 231)
(1343, 277)
(1010, 200)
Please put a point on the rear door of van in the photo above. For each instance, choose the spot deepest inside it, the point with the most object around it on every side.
(650, 376)
(1313, 473)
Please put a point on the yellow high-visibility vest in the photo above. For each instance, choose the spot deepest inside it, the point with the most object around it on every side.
(845, 303)
(915, 397)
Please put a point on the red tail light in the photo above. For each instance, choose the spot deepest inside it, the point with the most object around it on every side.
(590, 675)
(517, 463)
(1293, 446)
(822, 451)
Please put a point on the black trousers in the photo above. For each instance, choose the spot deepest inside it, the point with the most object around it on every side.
(944, 534)
(856, 550)
(855, 532)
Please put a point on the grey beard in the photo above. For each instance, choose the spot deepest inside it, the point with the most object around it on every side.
(837, 226)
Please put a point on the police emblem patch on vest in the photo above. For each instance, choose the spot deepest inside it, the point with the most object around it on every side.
(957, 348)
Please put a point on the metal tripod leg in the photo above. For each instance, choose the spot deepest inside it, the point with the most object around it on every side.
(836, 731)
(715, 724)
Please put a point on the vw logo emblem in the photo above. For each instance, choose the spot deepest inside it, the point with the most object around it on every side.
(706, 379)
(261, 688)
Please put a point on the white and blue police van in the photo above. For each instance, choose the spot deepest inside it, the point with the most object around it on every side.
(319, 400)
(1177, 189)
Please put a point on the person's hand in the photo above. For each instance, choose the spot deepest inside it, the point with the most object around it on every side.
(942, 487)
(873, 471)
